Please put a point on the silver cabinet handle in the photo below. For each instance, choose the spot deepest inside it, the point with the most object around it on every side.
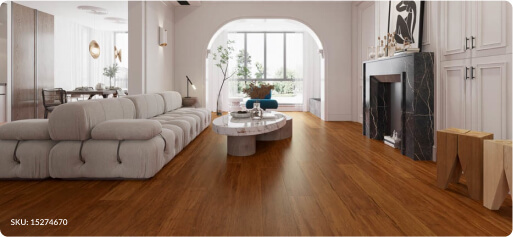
(472, 73)
(466, 73)
(466, 43)
(473, 41)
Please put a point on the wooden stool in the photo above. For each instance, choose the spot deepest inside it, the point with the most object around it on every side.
(448, 166)
(497, 172)
(470, 152)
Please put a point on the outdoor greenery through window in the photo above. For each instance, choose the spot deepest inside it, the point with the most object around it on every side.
(267, 56)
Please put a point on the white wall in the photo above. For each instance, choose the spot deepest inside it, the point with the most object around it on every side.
(150, 67)
(331, 21)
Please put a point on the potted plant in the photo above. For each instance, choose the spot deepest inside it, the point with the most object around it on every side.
(110, 72)
(255, 91)
(223, 56)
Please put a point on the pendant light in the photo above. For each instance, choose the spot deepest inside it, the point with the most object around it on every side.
(94, 47)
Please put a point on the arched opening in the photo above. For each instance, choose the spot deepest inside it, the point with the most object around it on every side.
(282, 52)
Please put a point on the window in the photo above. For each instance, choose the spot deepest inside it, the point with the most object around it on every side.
(272, 57)
(121, 43)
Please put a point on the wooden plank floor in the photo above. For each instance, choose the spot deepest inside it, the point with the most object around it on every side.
(328, 179)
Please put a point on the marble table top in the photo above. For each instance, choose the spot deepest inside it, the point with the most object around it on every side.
(228, 125)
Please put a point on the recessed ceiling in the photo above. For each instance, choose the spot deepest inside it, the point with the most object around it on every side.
(100, 15)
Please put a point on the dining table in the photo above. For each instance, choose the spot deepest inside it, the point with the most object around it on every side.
(104, 93)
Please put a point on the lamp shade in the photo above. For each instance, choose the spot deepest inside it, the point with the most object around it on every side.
(94, 49)
(162, 36)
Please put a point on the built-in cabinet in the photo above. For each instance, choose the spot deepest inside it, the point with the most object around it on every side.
(475, 29)
(3, 103)
(476, 66)
(32, 61)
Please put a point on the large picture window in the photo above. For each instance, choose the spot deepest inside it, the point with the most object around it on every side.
(272, 57)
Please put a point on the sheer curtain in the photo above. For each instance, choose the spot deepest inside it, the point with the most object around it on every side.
(311, 71)
(74, 66)
(215, 78)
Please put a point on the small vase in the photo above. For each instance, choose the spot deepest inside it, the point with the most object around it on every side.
(257, 113)
(371, 52)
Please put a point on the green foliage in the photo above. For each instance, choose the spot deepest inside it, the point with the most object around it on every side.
(110, 71)
(223, 56)
(243, 65)
(260, 71)
(290, 74)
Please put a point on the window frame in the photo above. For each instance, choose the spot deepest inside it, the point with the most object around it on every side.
(265, 55)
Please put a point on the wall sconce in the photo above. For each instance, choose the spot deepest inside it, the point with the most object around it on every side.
(162, 36)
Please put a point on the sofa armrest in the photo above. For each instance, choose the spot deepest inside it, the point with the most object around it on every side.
(30, 129)
(126, 129)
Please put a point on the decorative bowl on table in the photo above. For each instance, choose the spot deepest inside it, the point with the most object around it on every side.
(241, 114)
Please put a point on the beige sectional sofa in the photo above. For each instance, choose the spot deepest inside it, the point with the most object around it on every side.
(131, 137)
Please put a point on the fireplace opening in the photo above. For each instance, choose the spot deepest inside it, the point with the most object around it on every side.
(386, 94)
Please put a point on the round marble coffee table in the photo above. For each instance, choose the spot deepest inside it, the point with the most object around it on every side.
(242, 132)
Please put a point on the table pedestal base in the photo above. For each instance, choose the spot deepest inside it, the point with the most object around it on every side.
(241, 145)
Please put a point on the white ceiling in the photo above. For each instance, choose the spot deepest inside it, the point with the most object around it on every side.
(69, 10)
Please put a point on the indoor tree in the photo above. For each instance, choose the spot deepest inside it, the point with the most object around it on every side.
(110, 72)
(222, 59)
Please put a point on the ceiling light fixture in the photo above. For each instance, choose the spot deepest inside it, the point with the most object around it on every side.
(117, 53)
(94, 49)
(117, 20)
(94, 10)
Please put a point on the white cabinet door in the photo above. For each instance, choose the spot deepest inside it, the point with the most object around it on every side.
(3, 104)
(3, 110)
(491, 28)
(455, 30)
(454, 93)
(491, 95)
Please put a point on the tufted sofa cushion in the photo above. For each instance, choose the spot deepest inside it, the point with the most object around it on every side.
(74, 121)
(30, 129)
(172, 100)
(127, 129)
(147, 106)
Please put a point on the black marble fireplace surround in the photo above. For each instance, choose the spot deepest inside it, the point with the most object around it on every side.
(399, 95)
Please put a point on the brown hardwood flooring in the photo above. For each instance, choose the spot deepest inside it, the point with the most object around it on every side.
(328, 179)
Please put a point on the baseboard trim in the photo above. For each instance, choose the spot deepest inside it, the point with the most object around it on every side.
(339, 117)
(434, 153)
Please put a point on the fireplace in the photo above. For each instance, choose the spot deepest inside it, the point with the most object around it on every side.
(399, 96)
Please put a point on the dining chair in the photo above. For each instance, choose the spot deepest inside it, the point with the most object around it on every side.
(53, 98)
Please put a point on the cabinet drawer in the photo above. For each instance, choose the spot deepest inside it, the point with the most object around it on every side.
(2, 90)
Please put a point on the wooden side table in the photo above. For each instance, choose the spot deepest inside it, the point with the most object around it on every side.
(496, 172)
(189, 101)
(470, 152)
(448, 166)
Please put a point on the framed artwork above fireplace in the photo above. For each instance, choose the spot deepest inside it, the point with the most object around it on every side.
(405, 20)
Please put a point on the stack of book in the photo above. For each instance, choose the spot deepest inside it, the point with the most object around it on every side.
(392, 141)
(408, 50)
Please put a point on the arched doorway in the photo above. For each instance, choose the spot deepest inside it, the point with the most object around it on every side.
(283, 52)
